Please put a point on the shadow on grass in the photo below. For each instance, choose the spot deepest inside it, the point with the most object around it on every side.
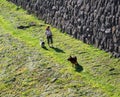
(45, 48)
(58, 50)
(78, 68)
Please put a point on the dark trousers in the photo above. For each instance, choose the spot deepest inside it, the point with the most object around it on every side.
(49, 39)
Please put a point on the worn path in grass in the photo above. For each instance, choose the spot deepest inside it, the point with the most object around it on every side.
(26, 69)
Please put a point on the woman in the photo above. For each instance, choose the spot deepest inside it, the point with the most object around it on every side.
(49, 36)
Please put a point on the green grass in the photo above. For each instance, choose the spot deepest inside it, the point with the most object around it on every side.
(96, 75)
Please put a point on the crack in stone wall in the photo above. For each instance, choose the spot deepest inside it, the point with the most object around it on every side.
(95, 22)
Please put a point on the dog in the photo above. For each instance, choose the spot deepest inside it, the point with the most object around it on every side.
(75, 63)
(73, 60)
(42, 44)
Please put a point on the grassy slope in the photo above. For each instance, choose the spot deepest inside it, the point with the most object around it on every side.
(95, 79)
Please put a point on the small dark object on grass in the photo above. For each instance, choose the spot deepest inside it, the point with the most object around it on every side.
(112, 69)
(22, 27)
(26, 26)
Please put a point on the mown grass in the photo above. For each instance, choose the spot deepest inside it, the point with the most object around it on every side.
(96, 63)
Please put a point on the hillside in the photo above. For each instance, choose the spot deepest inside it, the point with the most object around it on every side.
(27, 70)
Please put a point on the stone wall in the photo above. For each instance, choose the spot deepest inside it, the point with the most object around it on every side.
(95, 22)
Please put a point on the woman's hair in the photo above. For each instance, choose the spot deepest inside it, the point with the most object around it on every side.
(48, 27)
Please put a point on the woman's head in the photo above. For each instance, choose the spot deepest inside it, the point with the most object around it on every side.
(48, 27)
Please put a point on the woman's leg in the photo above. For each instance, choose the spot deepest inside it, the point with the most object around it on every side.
(48, 40)
(51, 40)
